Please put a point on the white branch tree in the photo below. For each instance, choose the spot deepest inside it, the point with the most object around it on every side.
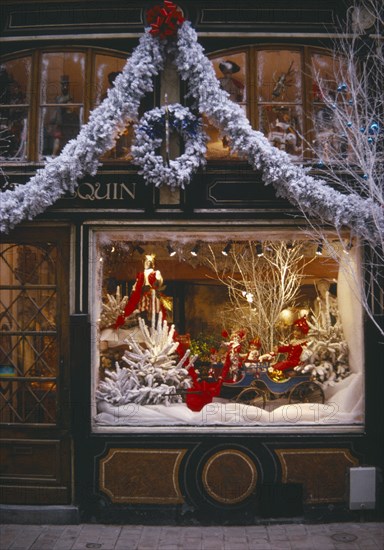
(260, 286)
(349, 141)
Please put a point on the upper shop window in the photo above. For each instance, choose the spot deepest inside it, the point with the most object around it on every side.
(201, 330)
(36, 126)
(278, 89)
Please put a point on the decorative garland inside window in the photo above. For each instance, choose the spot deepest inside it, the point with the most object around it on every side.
(150, 132)
(170, 34)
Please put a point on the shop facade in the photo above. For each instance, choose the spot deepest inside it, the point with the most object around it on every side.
(101, 410)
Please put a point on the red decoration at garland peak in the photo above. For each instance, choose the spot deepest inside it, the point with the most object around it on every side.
(164, 20)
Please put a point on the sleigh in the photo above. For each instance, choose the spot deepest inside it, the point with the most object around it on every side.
(256, 385)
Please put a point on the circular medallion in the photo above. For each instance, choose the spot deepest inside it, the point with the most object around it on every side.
(229, 476)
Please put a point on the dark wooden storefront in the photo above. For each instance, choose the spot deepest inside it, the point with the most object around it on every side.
(167, 475)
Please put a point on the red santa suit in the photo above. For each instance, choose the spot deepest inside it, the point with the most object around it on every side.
(294, 348)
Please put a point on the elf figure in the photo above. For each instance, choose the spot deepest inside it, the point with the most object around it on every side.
(295, 347)
(234, 356)
(253, 354)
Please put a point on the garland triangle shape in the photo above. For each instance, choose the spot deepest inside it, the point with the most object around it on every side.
(171, 34)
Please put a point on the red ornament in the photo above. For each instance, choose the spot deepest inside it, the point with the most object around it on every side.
(164, 20)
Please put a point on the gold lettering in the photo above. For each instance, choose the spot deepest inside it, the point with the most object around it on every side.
(104, 191)
(130, 192)
(90, 196)
(107, 194)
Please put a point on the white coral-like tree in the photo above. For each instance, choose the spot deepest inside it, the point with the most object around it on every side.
(152, 374)
(325, 355)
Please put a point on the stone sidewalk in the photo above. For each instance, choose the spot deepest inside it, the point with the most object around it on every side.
(363, 536)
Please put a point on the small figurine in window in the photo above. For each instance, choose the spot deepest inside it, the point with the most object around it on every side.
(233, 86)
(253, 355)
(64, 125)
(235, 355)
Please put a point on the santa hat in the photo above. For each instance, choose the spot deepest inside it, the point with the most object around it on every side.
(302, 325)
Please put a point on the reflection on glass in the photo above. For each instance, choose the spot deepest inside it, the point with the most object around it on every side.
(279, 76)
(14, 90)
(283, 128)
(231, 73)
(62, 96)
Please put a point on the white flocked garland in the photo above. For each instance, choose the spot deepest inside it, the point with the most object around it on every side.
(79, 157)
(151, 131)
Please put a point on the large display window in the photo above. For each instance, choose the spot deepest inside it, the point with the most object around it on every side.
(204, 330)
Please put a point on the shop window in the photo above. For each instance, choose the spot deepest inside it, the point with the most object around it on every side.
(277, 88)
(253, 332)
(28, 334)
(15, 88)
(283, 98)
(36, 126)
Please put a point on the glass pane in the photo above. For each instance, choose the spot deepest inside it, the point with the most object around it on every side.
(231, 72)
(332, 108)
(26, 401)
(107, 69)
(15, 81)
(283, 126)
(28, 333)
(279, 76)
(270, 315)
(62, 97)
(328, 73)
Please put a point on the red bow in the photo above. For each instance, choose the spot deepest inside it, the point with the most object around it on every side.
(164, 21)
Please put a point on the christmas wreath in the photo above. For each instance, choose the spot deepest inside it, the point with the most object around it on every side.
(152, 129)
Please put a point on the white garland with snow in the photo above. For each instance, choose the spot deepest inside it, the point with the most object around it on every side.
(149, 136)
(152, 376)
(365, 217)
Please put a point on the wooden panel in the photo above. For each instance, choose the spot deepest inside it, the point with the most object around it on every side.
(229, 476)
(26, 494)
(29, 459)
(146, 476)
(321, 471)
